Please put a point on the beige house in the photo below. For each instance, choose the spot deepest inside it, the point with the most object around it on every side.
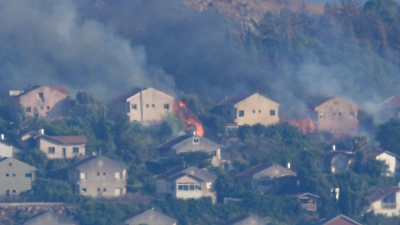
(338, 117)
(249, 109)
(50, 102)
(391, 160)
(144, 104)
(98, 176)
(384, 200)
(187, 182)
(57, 147)
(15, 176)
(149, 217)
(191, 143)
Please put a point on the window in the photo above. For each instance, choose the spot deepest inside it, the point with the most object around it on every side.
(83, 190)
(259, 111)
(75, 149)
(41, 107)
(104, 189)
(118, 175)
(98, 174)
(28, 109)
(98, 190)
(166, 106)
(147, 105)
(187, 187)
(52, 150)
(83, 176)
(13, 174)
(213, 153)
(152, 105)
(28, 175)
(9, 164)
(41, 96)
(7, 175)
(322, 115)
(48, 107)
(241, 113)
(134, 106)
(104, 173)
(272, 112)
(196, 141)
(254, 111)
(339, 113)
(14, 191)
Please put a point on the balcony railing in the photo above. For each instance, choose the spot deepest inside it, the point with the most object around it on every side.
(388, 205)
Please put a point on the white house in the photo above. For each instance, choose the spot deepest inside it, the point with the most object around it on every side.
(389, 158)
(384, 200)
(6, 148)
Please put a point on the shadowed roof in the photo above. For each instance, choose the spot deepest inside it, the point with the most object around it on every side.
(98, 157)
(49, 216)
(180, 171)
(129, 93)
(174, 141)
(253, 170)
(69, 139)
(376, 193)
(233, 99)
(62, 89)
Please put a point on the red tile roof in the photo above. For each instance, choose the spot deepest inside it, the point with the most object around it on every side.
(70, 139)
(338, 220)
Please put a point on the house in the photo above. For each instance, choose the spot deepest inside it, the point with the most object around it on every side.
(98, 176)
(57, 147)
(50, 102)
(388, 109)
(308, 201)
(267, 177)
(144, 104)
(337, 220)
(49, 217)
(338, 117)
(247, 219)
(149, 217)
(249, 109)
(15, 176)
(390, 159)
(336, 161)
(384, 200)
(7, 149)
(187, 182)
(191, 143)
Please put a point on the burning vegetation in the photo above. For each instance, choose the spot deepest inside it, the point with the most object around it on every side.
(306, 125)
(189, 119)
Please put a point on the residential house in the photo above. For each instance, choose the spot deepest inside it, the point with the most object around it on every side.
(187, 182)
(50, 218)
(98, 176)
(249, 109)
(7, 149)
(308, 201)
(336, 161)
(191, 143)
(148, 217)
(50, 102)
(388, 109)
(390, 159)
(56, 147)
(267, 177)
(144, 104)
(337, 220)
(247, 219)
(15, 176)
(384, 200)
(338, 117)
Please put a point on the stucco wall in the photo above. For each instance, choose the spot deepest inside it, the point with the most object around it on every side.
(45, 143)
(13, 177)
(5, 151)
(389, 160)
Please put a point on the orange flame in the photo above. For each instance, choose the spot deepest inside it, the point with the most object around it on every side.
(188, 118)
(305, 125)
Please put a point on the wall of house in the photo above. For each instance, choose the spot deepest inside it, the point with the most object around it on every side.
(148, 106)
(163, 187)
(257, 109)
(389, 160)
(337, 116)
(377, 207)
(44, 144)
(5, 150)
(185, 194)
(13, 178)
(54, 104)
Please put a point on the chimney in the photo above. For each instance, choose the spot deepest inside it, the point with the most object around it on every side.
(2, 136)
(333, 147)
(288, 165)
(41, 131)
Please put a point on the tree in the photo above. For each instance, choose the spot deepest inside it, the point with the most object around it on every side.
(388, 136)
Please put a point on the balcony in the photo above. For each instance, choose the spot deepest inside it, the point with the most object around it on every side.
(388, 205)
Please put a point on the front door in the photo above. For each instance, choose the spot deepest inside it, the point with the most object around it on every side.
(64, 152)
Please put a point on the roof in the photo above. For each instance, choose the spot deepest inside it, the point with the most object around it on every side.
(260, 167)
(337, 220)
(62, 89)
(171, 143)
(68, 139)
(376, 193)
(149, 216)
(332, 99)
(98, 157)
(179, 175)
(180, 171)
(234, 99)
(301, 195)
(255, 169)
(392, 102)
(129, 93)
(247, 219)
(14, 160)
(49, 217)
(376, 154)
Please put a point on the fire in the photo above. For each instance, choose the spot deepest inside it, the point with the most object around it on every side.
(188, 118)
(305, 125)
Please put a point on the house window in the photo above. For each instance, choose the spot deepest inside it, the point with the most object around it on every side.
(48, 107)
(13, 174)
(10, 164)
(83, 190)
(152, 105)
(52, 150)
(241, 113)
(28, 175)
(7, 175)
(118, 175)
(98, 190)
(254, 111)
(83, 176)
(166, 106)
(75, 149)
(272, 112)
(98, 174)
(213, 153)
(28, 109)
(340, 113)
(104, 189)
(259, 111)
(14, 191)
(134, 106)
(41, 96)
(187, 187)
(104, 173)
(196, 141)
(147, 105)
(41, 107)
(322, 115)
